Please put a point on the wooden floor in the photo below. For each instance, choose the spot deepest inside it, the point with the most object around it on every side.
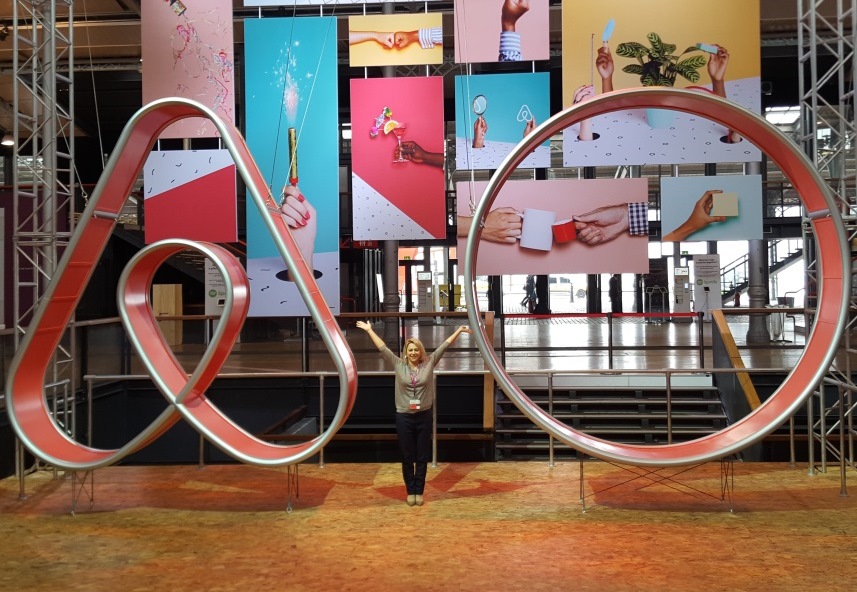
(485, 526)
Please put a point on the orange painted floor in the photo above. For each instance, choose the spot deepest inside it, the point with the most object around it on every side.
(485, 526)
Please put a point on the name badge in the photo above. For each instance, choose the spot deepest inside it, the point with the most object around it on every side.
(414, 404)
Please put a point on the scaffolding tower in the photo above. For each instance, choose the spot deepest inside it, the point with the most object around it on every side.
(43, 180)
(827, 38)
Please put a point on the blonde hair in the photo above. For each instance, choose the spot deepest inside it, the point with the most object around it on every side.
(419, 345)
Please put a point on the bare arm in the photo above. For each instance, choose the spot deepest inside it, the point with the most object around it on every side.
(605, 67)
(462, 329)
(412, 151)
(502, 225)
(381, 38)
(699, 218)
(379, 343)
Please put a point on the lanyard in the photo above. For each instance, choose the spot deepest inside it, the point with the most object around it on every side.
(414, 375)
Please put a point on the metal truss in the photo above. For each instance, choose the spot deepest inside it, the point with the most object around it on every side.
(826, 46)
(43, 163)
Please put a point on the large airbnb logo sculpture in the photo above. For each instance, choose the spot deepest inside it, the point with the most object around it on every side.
(833, 277)
(27, 406)
(31, 418)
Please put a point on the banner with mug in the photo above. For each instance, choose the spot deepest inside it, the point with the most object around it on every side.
(560, 226)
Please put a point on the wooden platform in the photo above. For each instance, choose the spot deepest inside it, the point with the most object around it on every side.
(485, 526)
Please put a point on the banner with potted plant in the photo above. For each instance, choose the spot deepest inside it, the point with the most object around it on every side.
(612, 44)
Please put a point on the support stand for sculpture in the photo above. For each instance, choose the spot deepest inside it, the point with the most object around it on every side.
(658, 476)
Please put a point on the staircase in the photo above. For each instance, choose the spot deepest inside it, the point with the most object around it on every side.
(735, 276)
(623, 409)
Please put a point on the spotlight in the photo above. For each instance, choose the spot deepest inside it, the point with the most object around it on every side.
(4, 32)
(8, 140)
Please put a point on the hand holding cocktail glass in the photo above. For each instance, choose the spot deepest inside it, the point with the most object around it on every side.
(410, 151)
(398, 129)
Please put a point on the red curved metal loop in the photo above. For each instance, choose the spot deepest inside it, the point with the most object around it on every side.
(834, 278)
(27, 405)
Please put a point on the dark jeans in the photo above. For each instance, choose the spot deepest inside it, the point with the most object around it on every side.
(414, 431)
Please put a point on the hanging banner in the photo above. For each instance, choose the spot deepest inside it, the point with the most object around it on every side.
(397, 156)
(187, 52)
(501, 31)
(190, 194)
(331, 3)
(292, 92)
(615, 44)
(395, 40)
(494, 112)
(723, 207)
(560, 226)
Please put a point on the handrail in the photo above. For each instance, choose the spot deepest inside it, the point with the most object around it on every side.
(488, 411)
(737, 270)
(747, 386)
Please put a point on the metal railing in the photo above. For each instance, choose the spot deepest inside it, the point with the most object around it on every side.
(549, 378)
(92, 380)
(668, 374)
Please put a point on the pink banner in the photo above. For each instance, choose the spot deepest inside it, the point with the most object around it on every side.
(187, 52)
(501, 30)
(398, 192)
(560, 226)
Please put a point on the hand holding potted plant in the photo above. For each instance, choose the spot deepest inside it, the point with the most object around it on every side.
(659, 66)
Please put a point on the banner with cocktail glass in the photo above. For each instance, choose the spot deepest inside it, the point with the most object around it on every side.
(292, 93)
(397, 158)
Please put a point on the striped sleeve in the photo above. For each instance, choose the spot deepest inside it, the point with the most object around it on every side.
(429, 37)
(510, 46)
